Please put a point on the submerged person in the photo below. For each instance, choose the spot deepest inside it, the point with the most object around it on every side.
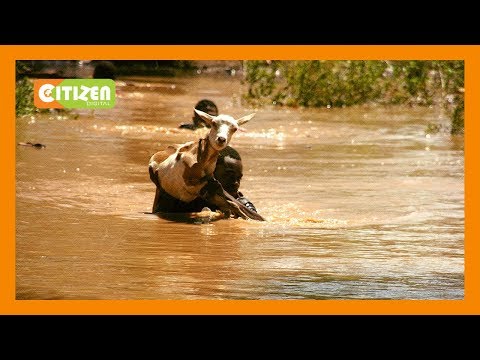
(104, 70)
(228, 172)
(204, 105)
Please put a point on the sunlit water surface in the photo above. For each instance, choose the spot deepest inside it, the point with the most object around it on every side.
(361, 203)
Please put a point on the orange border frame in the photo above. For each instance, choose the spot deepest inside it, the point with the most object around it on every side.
(10, 53)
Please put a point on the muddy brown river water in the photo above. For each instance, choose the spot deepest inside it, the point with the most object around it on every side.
(360, 203)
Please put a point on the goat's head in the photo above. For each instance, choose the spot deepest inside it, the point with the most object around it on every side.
(222, 127)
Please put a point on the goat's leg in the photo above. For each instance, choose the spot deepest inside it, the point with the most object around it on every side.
(155, 201)
(238, 208)
(214, 193)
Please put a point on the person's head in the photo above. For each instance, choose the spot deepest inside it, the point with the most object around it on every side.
(207, 106)
(104, 70)
(229, 170)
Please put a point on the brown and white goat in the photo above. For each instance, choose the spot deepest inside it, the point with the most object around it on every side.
(183, 171)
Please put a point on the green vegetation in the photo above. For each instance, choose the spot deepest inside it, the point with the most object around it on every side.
(317, 83)
(24, 98)
(324, 83)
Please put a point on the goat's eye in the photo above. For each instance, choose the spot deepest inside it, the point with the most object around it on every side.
(234, 129)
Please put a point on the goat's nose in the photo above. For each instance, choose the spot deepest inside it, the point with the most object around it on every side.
(221, 139)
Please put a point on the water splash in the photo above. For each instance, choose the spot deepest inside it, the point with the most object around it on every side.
(290, 215)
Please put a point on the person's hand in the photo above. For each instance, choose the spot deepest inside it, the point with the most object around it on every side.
(212, 187)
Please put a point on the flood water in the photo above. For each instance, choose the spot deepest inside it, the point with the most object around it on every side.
(360, 203)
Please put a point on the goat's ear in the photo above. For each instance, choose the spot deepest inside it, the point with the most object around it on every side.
(245, 119)
(207, 117)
